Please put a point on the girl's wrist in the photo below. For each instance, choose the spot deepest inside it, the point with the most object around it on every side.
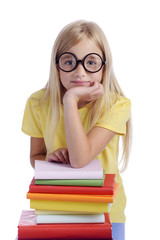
(69, 98)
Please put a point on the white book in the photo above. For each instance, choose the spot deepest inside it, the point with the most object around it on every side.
(45, 212)
(92, 218)
(53, 170)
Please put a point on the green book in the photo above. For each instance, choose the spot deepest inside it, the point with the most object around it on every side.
(71, 182)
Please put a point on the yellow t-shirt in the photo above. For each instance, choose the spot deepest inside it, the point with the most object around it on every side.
(35, 122)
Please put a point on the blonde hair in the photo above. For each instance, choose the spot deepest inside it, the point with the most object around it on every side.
(67, 38)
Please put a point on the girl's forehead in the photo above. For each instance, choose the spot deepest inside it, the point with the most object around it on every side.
(84, 47)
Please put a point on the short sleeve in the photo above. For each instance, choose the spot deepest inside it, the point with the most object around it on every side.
(118, 116)
(31, 124)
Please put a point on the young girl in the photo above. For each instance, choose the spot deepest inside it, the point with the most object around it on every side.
(82, 111)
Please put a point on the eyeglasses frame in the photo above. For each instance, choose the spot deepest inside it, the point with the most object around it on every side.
(80, 61)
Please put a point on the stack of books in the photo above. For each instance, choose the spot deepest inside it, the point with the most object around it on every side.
(69, 203)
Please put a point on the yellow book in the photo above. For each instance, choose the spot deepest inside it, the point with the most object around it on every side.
(94, 207)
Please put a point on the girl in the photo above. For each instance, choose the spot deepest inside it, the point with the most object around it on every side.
(82, 111)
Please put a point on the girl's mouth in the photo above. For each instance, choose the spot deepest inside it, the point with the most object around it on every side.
(78, 82)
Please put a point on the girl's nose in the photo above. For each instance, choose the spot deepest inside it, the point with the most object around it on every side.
(80, 70)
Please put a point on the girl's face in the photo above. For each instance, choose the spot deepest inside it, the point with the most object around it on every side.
(79, 76)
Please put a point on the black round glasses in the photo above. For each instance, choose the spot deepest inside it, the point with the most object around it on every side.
(92, 62)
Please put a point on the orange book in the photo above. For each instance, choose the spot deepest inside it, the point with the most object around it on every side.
(74, 197)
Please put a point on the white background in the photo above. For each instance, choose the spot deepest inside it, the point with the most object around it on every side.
(27, 31)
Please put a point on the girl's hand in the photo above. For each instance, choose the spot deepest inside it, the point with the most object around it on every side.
(88, 94)
(60, 155)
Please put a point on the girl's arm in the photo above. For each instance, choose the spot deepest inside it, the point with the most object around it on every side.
(82, 147)
(37, 150)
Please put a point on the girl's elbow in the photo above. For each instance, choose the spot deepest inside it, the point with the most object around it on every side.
(32, 162)
(76, 163)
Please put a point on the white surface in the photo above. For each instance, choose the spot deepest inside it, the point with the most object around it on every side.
(28, 30)
(96, 218)
(42, 212)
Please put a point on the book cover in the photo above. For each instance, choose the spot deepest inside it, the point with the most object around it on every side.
(106, 189)
(94, 207)
(53, 170)
(29, 229)
(74, 197)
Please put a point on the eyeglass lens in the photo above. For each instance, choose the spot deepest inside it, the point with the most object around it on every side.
(68, 62)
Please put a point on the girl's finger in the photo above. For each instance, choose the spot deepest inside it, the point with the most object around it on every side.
(60, 156)
(66, 156)
(53, 157)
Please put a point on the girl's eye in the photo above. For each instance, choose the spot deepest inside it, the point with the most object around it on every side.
(91, 63)
(69, 62)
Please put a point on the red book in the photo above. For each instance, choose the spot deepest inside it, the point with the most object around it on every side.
(106, 189)
(56, 239)
(28, 229)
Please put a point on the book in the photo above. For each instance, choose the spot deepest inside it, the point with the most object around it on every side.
(75, 218)
(106, 189)
(42, 212)
(60, 238)
(71, 182)
(54, 170)
(29, 229)
(74, 197)
(57, 239)
(94, 207)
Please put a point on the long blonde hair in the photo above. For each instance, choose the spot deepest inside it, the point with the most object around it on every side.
(67, 38)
